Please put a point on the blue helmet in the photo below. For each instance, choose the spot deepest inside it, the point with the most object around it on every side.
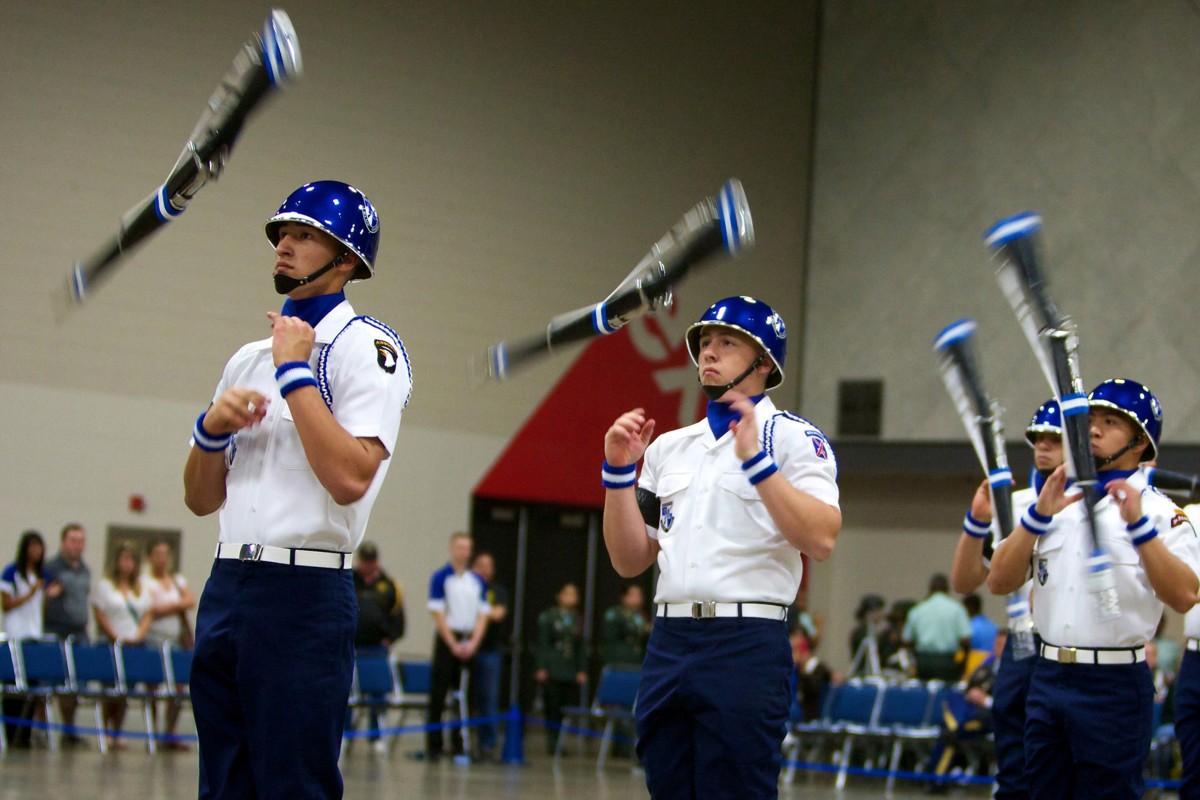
(1047, 419)
(340, 210)
(1134, 401)
(752, 317)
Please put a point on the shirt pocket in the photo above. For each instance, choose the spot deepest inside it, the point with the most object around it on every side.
(742, 513)
(672, 492)
(289, 451)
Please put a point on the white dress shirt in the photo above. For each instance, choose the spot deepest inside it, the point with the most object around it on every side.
(717, 540)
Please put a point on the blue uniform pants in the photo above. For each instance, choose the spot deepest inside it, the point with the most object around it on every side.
(712, 708)
(271, 676)
(1008, 723)
(1187, 723)
(1087, 731)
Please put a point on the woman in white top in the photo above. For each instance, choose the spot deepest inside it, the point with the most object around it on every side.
(22, 588)
(170, 600)
(121, 605)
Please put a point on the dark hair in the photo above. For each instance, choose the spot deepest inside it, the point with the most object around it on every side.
(23, 564)
(70, 526)
(939, 583)
(629, 585)
(973, 604)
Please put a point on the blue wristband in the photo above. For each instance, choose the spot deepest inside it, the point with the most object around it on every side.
(1035, 523)
(974, 528)
(205, 440)
(759, 468)
(1142, 531)
(292, 375)
(618, 477)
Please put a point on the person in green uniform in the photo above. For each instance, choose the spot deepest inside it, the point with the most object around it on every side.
(626, 629)
(560, 659)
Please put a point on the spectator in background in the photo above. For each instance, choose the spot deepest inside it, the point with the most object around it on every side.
(983, 630)
(458, 603)
(809, 679)
(965, 719)
(170, 601)
(623, 635)
(121, 604)
(559, 659)
(799, 618)
(1170, 654)
(872, 626)
(625, 629)
(380, 619)
(490, 658)
(938, 631)
(68, 589)
(22, 585)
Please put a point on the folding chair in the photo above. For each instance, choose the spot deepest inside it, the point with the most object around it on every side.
(46, 677)
(854, 710)
(376, 688)
(94, 679)
(179, 674)
(616, 696)
(11, 684)
(904, 715)
(142, 675)
(416, 682)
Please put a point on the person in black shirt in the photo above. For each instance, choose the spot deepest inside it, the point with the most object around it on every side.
(380, 615)
(490, 658)
(380, 602)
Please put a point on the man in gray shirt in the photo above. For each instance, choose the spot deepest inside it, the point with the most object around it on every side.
(68, 585)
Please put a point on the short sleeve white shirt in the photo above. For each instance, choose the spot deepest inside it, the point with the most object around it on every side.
(166, 628)
(272, 494)
(1063, 608)
(123, 611)
(459, 596)
(1191, 620)
(717, 540)
(25, 620)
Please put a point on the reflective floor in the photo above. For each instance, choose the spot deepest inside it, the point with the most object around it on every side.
(82, 772)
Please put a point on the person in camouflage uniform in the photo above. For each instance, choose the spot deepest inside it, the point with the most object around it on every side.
(626, 629)
(560, 659)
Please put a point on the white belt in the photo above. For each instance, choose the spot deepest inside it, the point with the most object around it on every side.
(324, 559)
(709, 609)
(1193, 645)
(1084, 655)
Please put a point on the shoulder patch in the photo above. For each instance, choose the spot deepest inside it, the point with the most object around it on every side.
(389, 353)
(386, 355)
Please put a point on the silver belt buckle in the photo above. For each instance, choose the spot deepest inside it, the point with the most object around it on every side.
(706, 609)
(251, 552)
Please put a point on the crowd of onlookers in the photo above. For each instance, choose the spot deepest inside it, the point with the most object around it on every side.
(140, 600)
(130, 604)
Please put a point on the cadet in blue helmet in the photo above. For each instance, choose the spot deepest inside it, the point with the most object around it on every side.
(1091, 696)
(969, 570)
(292, 451)
(725, 507)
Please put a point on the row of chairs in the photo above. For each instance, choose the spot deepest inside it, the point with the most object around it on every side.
(871, 711)
(382, 685)
(613, 705)
(41, 670)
